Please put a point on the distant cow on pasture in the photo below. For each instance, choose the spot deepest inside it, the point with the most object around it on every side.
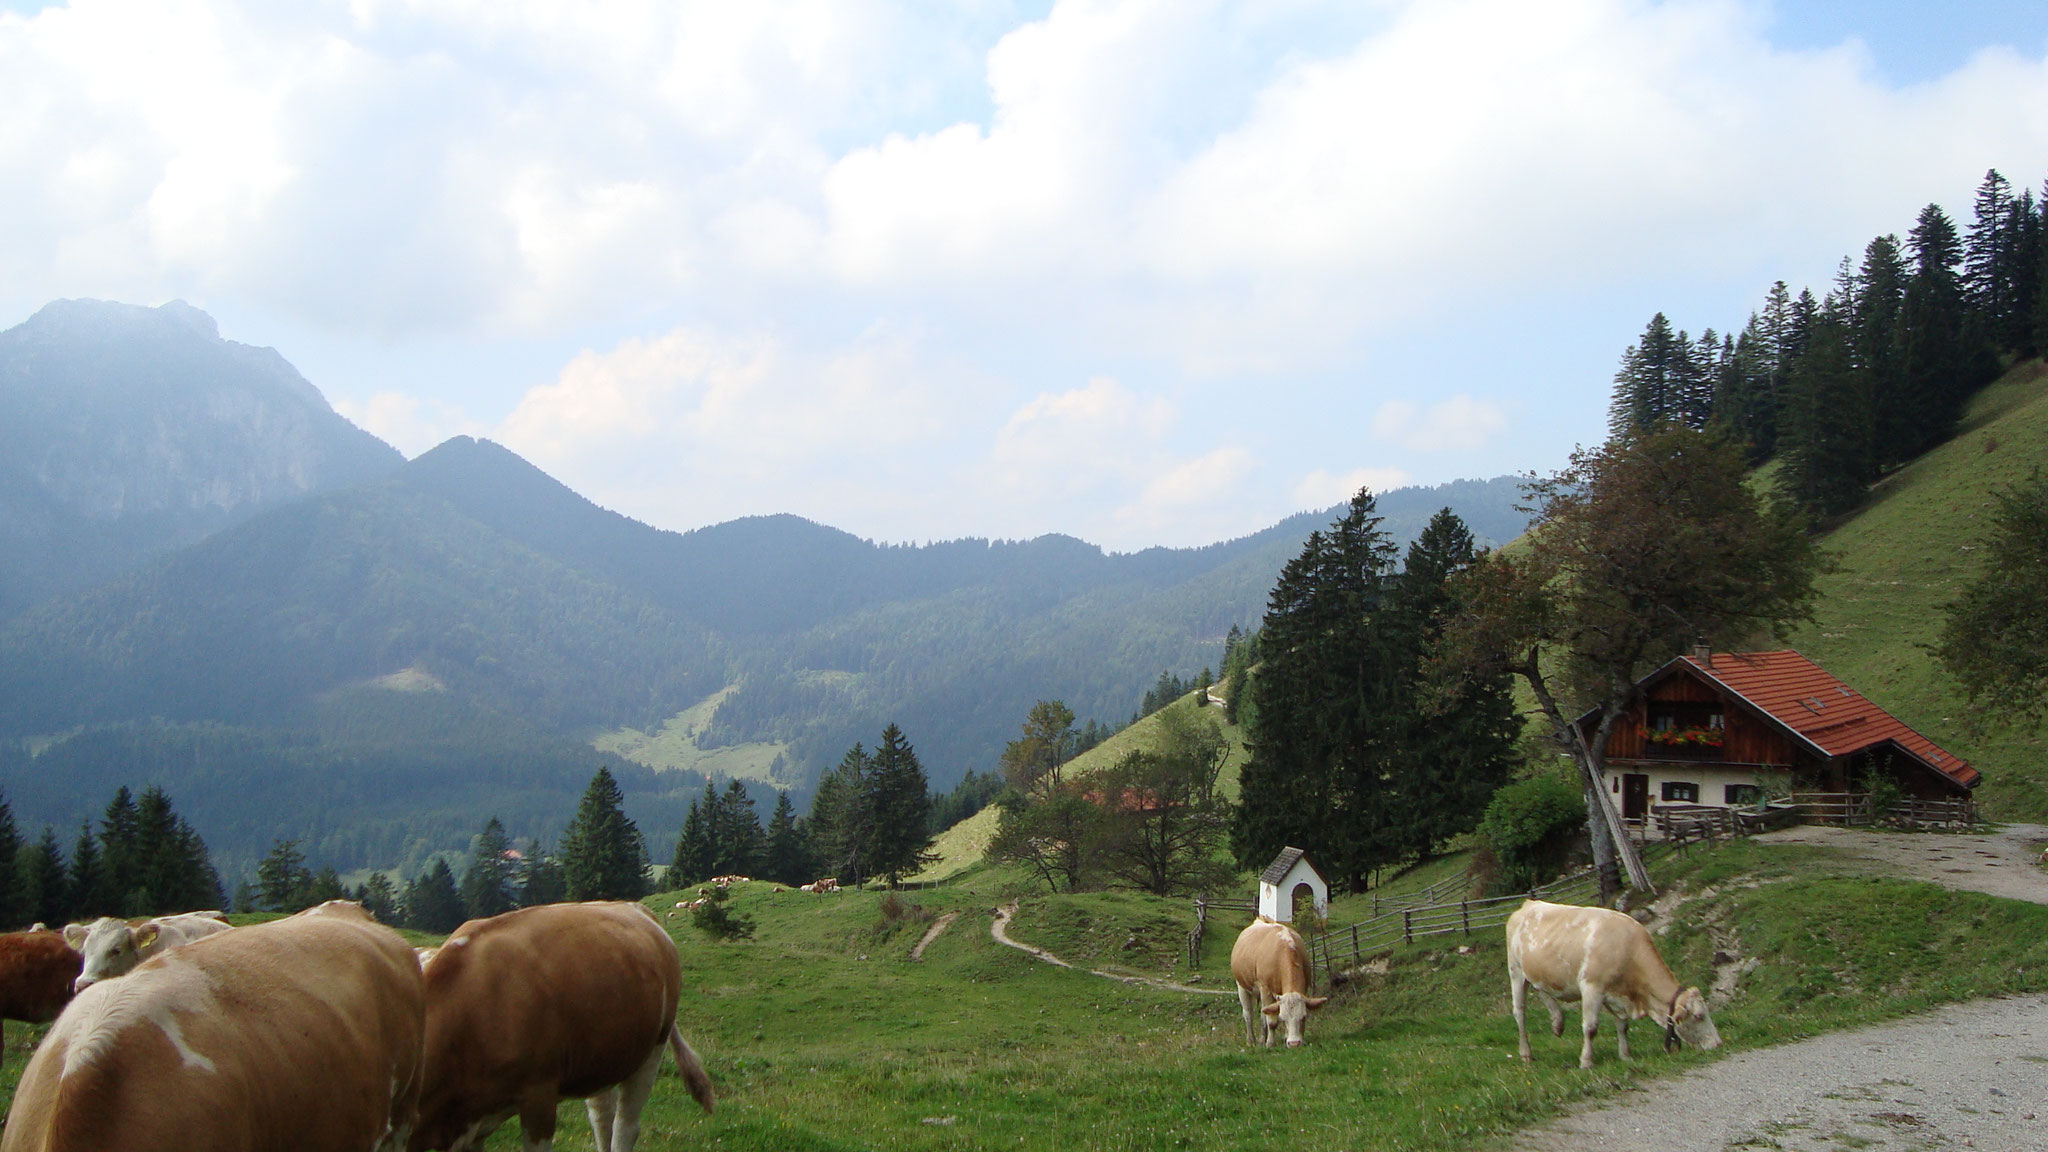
(114, 947)
(301, 1034)
(36, 971)
(1600, 958)
(1270, 965)
(558, 1000)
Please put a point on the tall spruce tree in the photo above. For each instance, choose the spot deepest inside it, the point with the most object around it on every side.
(14, 894)
(737, 833)
(603, 854)
(1458, 750)
(899, 800)
(695, 848)
(1327, 706)
(1651, 386)
(118, 854)
(1825, 438)
(92, 892)
(488, 883)
(1941, 362)
(788, 857)
(283, 881)
(841, 824)
(431, 902)
(48, 883)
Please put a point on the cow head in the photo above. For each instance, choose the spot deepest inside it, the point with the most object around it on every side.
(1691, 1023)
(111, 947)
(1292, 1010)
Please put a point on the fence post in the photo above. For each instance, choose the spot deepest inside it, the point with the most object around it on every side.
(1465, 915)
(1407, 926)
(1354, 945)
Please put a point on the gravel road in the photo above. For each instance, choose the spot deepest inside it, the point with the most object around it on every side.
(1968, 1076)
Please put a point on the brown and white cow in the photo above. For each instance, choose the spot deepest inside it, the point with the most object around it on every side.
(114, 947)
(1600, 958)
(303, 1034)
(36, 971)
(1270, 965)
(554, 1001)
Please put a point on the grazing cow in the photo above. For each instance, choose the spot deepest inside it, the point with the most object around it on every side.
(1270, 966)
(114, 947)
(36, 971)
(1601, 958)
(300, 1034)
(557, 1000)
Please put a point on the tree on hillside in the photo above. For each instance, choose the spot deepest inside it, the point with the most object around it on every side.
(841, 826)
(171, 866)
(91, 892)
(1640, 549)
(44, 877)
(1942, 361)
(378, 898)
(431, 902)
(1031, 763)
(489, 881)
(788, 857)
(1456, 753)
(1329, 706)
(899, 800)
(283, 882)
(603, 855)
(1164, 824)
(1058, 837)
(1995, 640)
(14, 901)
(541, 881)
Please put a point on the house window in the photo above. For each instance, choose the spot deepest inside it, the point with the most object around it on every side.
(1681, 792)
(1742, 794)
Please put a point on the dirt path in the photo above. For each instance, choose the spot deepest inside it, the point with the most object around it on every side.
(932, 933)
(1967, 1076)
(2001, 863)
(999, 931)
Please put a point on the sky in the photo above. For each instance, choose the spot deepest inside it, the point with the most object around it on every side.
(1145, 272)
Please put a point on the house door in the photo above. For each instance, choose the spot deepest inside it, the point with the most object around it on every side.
(1635, 796)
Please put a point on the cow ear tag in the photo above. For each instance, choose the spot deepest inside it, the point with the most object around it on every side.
(146, 935)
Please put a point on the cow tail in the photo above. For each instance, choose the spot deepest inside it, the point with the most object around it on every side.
(691, 1068)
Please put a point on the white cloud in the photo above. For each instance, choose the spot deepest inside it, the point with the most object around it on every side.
(1081, 440)
(1321, 489)
(1457, 424)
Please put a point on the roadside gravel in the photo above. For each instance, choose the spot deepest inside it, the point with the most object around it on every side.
(1967, 1076)
(2001, 863)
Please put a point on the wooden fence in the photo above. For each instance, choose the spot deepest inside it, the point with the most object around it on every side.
(1343, 949)
(1843, 808)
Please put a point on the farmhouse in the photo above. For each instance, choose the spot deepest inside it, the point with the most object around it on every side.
(1719, 728)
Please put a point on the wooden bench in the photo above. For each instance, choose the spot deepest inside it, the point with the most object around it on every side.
(1684, 823)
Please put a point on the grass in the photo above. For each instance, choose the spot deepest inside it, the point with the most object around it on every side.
(674, 747)
(1905, 555)
(822, 1034)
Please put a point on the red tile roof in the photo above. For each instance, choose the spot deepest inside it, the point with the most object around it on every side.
(1829, 714)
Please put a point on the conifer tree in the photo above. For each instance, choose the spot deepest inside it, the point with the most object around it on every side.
(283, 881)
(379, 898)
(1942, 367)
(899, 800)
(1878, 317)
(603, 855)
(739, 838)
(431, 902)
(91, 890)
(118, 854)
(170, 863)
(487, 884)
(14, 894)
(1328, 702)
(788, 859)
(1827, 421)
(541, 881)
(695, 849)
(48, 883)
(326, 885)
(841, 825)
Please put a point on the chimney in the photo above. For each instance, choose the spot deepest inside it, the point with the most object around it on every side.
(1704, 653)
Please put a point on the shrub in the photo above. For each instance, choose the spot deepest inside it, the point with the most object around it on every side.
(1529, 827)
(720, 922)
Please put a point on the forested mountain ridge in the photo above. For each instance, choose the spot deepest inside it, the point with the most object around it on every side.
(448, 638)
(126, 432)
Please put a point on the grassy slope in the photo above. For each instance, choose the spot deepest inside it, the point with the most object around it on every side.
(1907, 554)
(674, 745)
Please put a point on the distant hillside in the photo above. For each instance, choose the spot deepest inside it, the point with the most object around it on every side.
(126, 432)
(1905, 554)
(476, 586)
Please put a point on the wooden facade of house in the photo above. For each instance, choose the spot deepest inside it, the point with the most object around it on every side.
(1726, 728)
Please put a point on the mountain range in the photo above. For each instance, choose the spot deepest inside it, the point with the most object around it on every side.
(215, 583)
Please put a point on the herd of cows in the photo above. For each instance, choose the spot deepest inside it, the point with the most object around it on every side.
(326, 1031)
(1599, 958)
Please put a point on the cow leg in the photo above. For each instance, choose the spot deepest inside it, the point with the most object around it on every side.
(1590, 1001)
(1621, 1031)
(1556, 1012)
(1518, 992)
(537, 1121)
(1249, 1001)
(632, 1097)
(603, 1109)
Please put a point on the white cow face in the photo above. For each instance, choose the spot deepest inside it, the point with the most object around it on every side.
(1292, 1010)
(1690, 1020)
(111, 948)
